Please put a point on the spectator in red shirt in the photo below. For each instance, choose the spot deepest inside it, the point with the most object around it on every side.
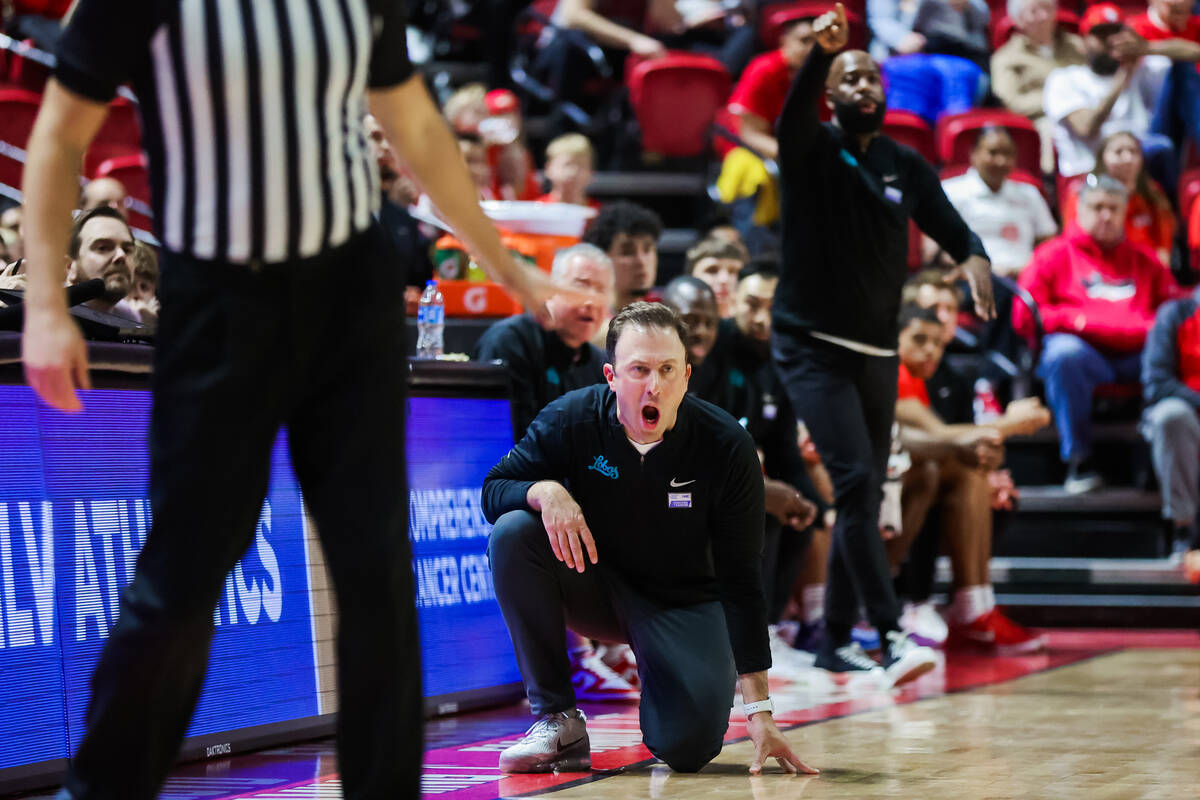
(503, 133)
(1149, 219)
(759, 95)
(1194, 235)
(951, 465)
(1169, 28)
(1097, 294)
(753, 108)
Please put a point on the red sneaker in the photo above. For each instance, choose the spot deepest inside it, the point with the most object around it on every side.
(621, 660)
(595, 682)
(998, 632)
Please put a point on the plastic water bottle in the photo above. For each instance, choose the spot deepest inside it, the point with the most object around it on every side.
(987, 408)
(431, 319)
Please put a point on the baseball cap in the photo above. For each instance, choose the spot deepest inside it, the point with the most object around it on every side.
(501, 101)
(1101, 14)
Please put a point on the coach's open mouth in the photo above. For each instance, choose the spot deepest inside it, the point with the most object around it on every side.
(650, 415)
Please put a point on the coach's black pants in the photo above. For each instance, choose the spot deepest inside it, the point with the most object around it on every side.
(683, 654)
(848, 402)
(316, 345)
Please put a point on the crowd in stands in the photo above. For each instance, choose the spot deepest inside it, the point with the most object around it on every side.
(1091, 241)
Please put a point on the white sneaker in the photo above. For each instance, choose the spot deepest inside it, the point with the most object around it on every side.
(904, 660)
(787, 661)
(924, 624)
(595, 681)
(556, 742)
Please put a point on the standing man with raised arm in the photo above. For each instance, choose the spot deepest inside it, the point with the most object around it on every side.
(265, 195)
(848, 196)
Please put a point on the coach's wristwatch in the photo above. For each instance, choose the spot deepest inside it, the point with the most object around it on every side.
(757, 706)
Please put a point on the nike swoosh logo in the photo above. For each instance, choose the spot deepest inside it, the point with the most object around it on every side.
(890, 178)
(676, 484)
(562, 746)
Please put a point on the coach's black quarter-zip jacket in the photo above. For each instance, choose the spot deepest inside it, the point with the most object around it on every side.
(682, 524)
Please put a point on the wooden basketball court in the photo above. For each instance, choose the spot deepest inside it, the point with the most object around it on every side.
(1104, 715)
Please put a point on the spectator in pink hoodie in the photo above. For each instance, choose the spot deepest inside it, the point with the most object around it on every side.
(1097, 294)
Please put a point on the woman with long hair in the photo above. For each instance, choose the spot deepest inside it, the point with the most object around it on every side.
(1150, 220)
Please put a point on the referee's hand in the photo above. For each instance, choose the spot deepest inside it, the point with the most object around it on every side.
(536, 289)
(565, 526)
(55, 357)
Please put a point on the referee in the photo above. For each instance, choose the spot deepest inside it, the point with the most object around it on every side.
(265, 196)
(848, 194)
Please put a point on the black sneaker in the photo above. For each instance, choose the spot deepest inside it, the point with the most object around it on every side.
(904, 660)
(848, 663)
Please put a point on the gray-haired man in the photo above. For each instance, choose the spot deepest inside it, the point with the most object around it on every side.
(546, 363)
(1097, 294)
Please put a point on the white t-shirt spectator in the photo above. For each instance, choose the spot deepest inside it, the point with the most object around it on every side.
(1072, 89)
(1008, 222)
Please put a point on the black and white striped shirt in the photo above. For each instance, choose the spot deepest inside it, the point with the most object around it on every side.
(251, 113)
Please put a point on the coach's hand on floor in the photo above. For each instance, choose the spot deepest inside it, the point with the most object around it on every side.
(55, 356)
(565, 526)
(769, 743)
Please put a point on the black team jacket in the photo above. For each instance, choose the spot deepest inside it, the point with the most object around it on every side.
(739, 377)
(845, 217)
(682, 524)
(540, 365)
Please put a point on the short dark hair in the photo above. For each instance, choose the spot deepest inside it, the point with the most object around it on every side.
(715, 218)
(86, 217)
(988, 130)
(766, 264)
(912, 311)
(640, 314)
(621, 217)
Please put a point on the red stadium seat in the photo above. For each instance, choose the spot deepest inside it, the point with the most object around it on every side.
(18, 110)
(780, 15)
(120, 135)
(1189, 191)
(131, 170)
(1003, 27)
(25, 72)
(956, 135)
(1019, 175)
(676, 99)
(911, 129)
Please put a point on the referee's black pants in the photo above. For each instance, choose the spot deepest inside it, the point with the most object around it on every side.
(683, 654)
(316, 345)
(848, 401)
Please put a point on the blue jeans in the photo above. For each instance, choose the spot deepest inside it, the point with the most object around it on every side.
(1176, 119)
(1071, 369)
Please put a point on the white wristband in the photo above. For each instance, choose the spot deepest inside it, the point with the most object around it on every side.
(761, 705)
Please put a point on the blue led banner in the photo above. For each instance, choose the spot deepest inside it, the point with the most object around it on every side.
(452, 443)
(74, 516)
